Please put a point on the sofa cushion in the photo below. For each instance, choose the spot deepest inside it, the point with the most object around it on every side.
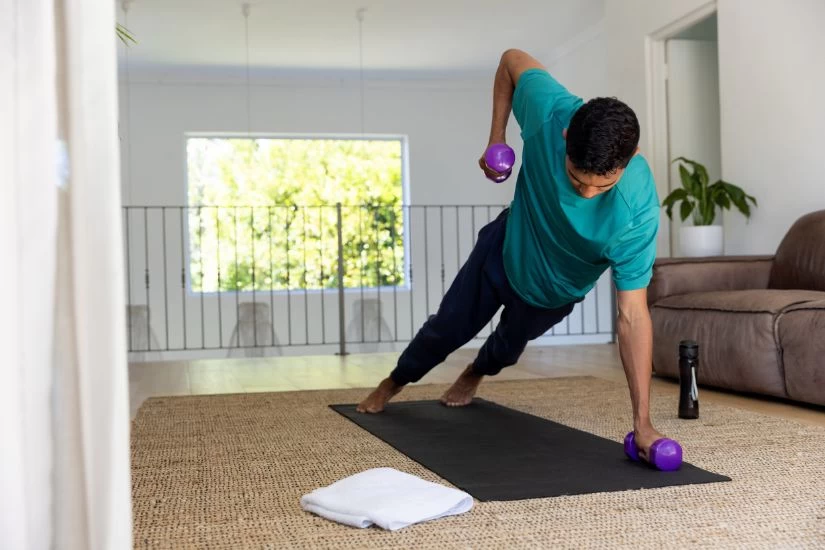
(800, 258)
(688, 275)
(801, 330)
(735, 332)
(741, 301)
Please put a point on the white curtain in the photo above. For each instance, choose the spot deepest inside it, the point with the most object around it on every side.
(64, 416)
(27, 255)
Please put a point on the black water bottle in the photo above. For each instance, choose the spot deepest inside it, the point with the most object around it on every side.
(688, 388)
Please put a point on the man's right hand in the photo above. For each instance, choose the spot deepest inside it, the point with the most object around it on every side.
(489, 172)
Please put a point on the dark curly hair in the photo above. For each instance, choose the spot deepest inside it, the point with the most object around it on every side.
(602, 136)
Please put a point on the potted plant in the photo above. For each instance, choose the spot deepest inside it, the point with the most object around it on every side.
(700, 199)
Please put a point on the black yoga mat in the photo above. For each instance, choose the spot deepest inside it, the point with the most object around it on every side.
(497, 453)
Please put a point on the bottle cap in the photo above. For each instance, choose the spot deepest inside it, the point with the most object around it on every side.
(689, 348)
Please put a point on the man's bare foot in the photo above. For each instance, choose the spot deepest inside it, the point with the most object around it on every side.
(374, 403)
(463, 389)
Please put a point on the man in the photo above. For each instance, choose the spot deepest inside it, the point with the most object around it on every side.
(584, 201)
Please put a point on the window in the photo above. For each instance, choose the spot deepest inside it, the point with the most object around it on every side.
(263, 212)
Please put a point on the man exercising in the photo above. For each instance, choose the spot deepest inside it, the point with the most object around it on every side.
(584, 201)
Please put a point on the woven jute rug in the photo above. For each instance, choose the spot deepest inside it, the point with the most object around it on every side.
(228, 471)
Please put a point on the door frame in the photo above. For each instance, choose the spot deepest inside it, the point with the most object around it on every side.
(656, 82)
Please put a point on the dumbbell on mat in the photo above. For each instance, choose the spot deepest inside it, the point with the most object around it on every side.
(665, 454)
(501, 158)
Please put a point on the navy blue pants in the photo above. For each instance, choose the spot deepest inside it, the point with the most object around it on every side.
(478, 291)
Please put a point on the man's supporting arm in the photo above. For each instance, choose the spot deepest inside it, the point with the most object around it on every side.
(635, 330)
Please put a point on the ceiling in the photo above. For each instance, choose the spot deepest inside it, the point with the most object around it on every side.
(399, 36)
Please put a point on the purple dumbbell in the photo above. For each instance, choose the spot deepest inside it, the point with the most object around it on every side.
(665, 454)
(501, 158)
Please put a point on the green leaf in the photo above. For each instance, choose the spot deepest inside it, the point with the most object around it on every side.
(738, 198)
(670, 200)
(676, 195)
(686, 209)
(124, 34)
(722, 200)
(698, 168)
(718, 195)
(743, 208)
(688, 183)
(698, 187)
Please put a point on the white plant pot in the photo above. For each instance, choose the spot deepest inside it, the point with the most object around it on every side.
(701, 240)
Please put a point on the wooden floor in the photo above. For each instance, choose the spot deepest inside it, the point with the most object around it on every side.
(363, 371)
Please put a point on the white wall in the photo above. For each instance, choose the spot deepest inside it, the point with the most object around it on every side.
(581, 66)
(771, 78)
(628, 23)
(771, 93)
(446, 122)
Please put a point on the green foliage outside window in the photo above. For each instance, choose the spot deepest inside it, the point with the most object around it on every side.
(262, 213)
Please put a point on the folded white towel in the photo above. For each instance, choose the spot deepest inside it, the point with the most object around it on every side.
(385, 497)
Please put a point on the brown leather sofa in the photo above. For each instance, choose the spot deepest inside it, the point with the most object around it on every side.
(759, 320)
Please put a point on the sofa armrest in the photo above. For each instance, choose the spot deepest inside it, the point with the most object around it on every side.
(672, 276)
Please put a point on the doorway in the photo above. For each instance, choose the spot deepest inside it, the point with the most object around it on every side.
(684, 68)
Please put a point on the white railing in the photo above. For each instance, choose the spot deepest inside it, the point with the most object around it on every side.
(263, 279)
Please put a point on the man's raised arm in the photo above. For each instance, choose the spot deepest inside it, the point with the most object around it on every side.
(510, 67)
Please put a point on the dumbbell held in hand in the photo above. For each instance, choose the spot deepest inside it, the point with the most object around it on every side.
(500, 158)
(665, 454)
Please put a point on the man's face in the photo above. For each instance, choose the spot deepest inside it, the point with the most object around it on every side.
(590, 185)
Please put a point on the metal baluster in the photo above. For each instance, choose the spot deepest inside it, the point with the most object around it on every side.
(441, 248)
(200, 248)
(237, 278)
(254, 302)
(361, 266)
(322, 279)
(182, 274)
(128, 247)
(146, 277)
(412, 303)
(165, 277)
(596, 293)
(489, 219)
(426, 266)
(473, 235)
(271, 275)
(377, 267)
(457, 242)
(394, 277)
(220, 289)
(342, 335)
(289, 277)
(306, 294)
